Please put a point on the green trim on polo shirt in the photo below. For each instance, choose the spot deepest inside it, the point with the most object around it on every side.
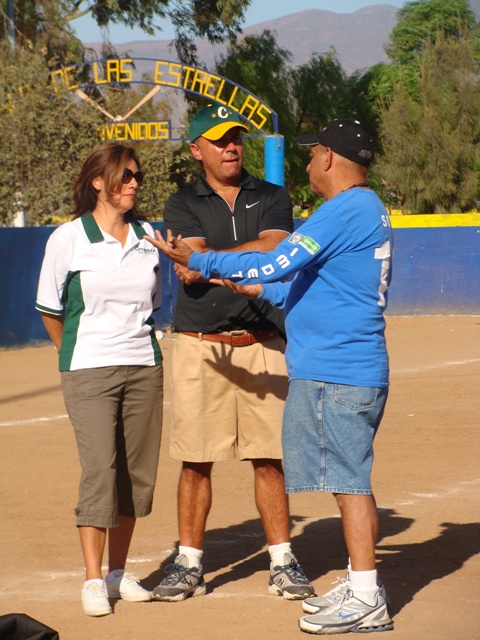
(158, 356)
(73, 295)
(136, 226)
(93, 231)
(53, 312)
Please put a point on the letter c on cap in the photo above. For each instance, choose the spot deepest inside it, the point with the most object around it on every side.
(222, 112)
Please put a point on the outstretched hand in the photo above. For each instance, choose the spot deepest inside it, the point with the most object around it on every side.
(172, 246)
(249, 290)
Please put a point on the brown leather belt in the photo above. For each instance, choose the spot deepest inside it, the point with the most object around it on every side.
(235, 340)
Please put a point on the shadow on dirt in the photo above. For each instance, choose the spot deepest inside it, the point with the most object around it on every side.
(404, 568)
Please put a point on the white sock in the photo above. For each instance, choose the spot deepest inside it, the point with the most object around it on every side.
(364, 584)
(98, 581)
(194, 555)
(277, 553)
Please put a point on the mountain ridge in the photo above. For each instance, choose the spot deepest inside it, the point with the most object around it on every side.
(358, 38)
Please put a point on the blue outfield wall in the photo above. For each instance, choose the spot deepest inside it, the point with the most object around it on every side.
(436, 272)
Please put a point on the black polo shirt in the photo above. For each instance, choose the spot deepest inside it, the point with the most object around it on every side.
(197, 211)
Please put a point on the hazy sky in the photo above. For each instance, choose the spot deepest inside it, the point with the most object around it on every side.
(259, 11)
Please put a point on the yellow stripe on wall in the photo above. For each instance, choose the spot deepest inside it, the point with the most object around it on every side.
(435, 220)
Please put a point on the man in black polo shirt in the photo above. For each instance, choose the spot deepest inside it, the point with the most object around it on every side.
(229, 380)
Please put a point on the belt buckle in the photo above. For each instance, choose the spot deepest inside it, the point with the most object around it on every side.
(231, 337)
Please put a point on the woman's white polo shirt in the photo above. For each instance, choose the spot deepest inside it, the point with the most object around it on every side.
(106, 293)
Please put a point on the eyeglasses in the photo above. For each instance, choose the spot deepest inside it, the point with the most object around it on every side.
(128, 174)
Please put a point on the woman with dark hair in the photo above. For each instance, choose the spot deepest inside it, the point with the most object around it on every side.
(99, 285)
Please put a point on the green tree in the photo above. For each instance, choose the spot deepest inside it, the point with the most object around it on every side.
(42, 27)
(47, 133)
(421, 22)
(44, 137)
(258, 63)
(305, 99)
(48, 23)
(320, 90)
(323, 91)
(431, 144)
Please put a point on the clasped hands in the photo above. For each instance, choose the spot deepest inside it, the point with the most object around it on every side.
(178, 251)
(172, 246)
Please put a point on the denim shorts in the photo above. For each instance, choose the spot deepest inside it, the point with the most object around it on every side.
(327, 437)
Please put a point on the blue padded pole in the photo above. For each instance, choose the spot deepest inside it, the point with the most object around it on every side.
(274, 160)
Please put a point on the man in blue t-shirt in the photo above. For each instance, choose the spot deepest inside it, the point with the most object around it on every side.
(331, 277)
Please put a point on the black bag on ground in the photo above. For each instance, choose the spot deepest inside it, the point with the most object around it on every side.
(19, 626)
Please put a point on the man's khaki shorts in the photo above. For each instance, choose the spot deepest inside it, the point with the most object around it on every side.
(227, 398)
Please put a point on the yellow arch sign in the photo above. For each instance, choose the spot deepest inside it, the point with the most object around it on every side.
(165, 73)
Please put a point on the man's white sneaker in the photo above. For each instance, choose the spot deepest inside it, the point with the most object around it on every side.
(120, 584)
(95, 600)
(334, 596)
(352, 614)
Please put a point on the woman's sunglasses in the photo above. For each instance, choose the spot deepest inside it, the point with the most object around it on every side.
(128, 174)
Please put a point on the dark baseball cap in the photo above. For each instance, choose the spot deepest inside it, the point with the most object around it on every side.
(345, 137)
(213, 122)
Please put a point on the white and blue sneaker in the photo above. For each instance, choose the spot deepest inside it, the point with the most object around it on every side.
(335, 596)
(351, 614)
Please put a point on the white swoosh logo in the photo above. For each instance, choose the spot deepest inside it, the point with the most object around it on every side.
(247, 206)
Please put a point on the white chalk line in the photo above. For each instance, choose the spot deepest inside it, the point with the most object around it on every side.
(446, 493)
(18, 423)
(431, 367)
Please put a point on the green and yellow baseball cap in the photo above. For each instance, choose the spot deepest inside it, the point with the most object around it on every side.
(213, 122)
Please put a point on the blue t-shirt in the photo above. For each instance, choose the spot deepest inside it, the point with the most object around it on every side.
(337, 268)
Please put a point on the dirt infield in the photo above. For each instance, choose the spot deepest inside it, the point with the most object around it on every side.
(426, 480)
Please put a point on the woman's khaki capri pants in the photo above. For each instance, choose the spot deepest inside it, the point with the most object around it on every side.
(116, 413)
(226, 399)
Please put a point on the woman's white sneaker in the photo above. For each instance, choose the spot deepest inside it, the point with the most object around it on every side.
(95, 599)
(120, 584)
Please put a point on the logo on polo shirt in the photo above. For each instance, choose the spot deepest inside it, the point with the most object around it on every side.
(140, 249)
